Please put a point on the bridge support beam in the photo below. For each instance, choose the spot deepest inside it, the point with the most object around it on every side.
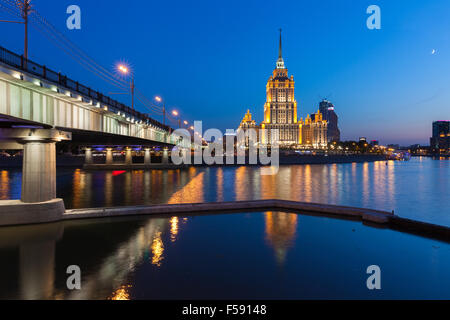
(109, 156)
(147, 156)
(89, 159)
(128, 156)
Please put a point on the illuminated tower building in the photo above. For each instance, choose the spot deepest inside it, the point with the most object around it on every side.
(280, 110)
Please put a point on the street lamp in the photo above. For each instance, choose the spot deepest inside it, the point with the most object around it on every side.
(25, 10)
(177, 114)
(125, 70)
(159, 100)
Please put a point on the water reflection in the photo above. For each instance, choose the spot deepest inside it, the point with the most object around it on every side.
(4, 185)
(122, 293)
(130, 258)
(417, 189)
(281, 230)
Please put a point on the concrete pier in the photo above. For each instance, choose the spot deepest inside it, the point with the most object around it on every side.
(165, 156)
(109, 156)
(38, 203)
(39, 172)
(128, 156)
(147, 156)
(89, 159)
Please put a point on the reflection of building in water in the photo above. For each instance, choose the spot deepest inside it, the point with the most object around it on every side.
(4, 185)
(281, 230)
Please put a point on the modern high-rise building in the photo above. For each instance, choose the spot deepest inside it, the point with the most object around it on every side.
(440, 142)
(329, 114)
(280, 109)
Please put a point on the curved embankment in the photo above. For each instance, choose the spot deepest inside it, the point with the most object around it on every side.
(367, 216)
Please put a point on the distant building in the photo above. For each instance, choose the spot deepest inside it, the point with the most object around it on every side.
(329, 114)
(363, 139)
(440, 141)
(246, 124)
(394, 146)
(314, 132)
(374, 143)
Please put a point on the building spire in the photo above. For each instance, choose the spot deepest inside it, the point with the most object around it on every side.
(280, 56)
(280, 61)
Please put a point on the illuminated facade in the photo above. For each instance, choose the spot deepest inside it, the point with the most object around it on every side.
(280, 110)
(314, 131)
(246, 124)
(280, 114)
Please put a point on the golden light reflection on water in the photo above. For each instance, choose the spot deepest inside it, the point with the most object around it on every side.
(281, 230)
(220, 184)
(4, 185)
(78, 188)
(173, 228)
(121, 293)
(157, 250)
(193, 192)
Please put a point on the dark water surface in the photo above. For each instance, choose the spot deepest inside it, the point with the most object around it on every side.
(418, 189)
(271, 255)
(267, 255)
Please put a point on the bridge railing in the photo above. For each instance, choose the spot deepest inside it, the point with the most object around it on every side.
(17, 61)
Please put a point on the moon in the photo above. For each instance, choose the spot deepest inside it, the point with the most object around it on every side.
(433, 51)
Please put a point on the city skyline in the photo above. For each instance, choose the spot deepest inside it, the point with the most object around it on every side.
(387, 84)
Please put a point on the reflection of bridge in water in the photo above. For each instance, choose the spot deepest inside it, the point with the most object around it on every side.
(110, 251)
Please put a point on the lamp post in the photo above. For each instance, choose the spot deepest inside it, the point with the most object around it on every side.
(159, 99)
(177, 115)
(25, 9)
(125, 70)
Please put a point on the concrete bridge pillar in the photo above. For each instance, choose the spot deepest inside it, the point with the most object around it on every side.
(128, 156)
(147, 157)
(165, 156)
(39, 172)
(109, 156)
(89, 159)
(38, 202)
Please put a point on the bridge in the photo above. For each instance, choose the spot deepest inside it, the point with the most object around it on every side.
(40, 107)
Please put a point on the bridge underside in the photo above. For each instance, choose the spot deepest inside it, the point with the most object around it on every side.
(80, 138)
(85, 138)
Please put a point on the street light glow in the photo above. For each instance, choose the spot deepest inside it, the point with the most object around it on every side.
(158, 99)
(175, 113)
(123, 69)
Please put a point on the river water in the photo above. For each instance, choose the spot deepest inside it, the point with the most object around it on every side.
(266, 255)
(418, 189)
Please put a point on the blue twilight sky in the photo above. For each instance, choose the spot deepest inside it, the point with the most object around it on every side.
(212, 59)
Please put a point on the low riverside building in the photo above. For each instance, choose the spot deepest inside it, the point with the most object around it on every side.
(314, 131)
(246, 124)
